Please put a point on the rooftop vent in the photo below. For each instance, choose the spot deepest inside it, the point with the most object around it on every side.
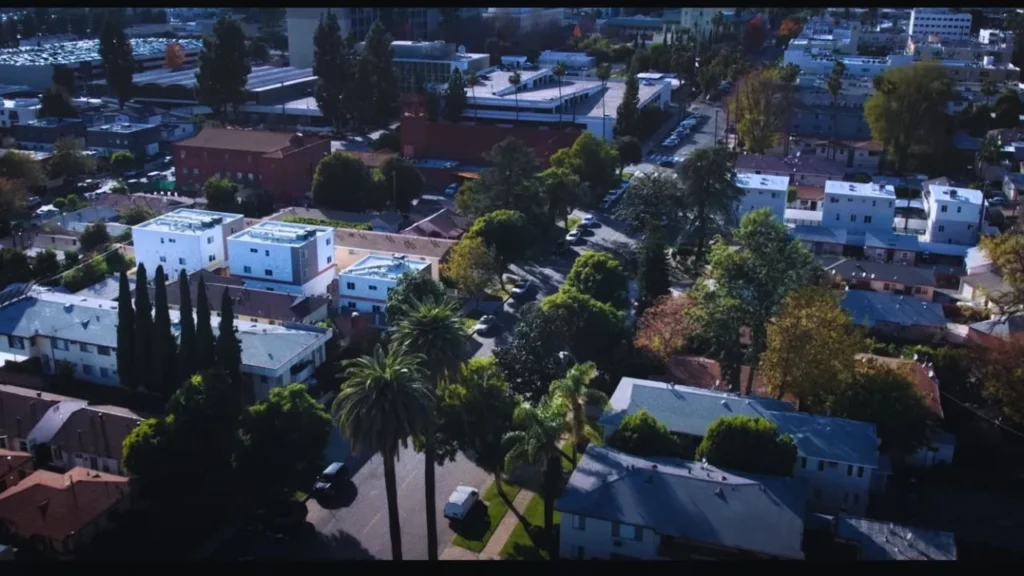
(719, 492)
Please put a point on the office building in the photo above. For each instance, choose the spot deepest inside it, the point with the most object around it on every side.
(940, 22)
(140, 140)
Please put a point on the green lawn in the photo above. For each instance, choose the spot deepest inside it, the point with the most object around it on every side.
(468, 324)
(476, 531)
(574, 221)
(626, 175)
(520, 546)
(301, 496)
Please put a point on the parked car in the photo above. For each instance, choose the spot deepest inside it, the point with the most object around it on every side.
(588, 221)
(667, 164)
(522, 288)
(331, 478)
(485, 324)
(451, 190)
(33, 201)
(573, 237)
(998, 201)
(673, 141)
(461, 502)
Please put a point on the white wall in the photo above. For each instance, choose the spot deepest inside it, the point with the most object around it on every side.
(835, 488)
(364, 294)
(957, 225)
(317, 286)
(69, 460)
(102, 368)
(849, 211)
(154, 247)
(756, 198)
(597, 542)
(261, 260)
(265, 380)
(942, 23)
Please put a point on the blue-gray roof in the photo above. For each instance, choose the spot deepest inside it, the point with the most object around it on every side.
(870, 308)
(691, 411)
(1003, 326)
(819, 234)
(261, 77)
(686, 500)
(880, 239)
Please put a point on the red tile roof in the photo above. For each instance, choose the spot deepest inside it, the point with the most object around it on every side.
(706, 373)
(918, 375)
(262, 141)
(10, 463)
(56, 506)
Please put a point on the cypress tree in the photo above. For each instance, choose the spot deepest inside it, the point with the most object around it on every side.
(125, 334)
(187, 357)
(652, 276)
(205, 342)
(164, 347)
(143, 328)
(229, 349)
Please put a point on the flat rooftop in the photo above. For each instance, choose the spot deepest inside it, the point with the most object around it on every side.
(125, 128)
(187, 221)
(762, 182)
(51, 122)
(261, 78)
(958, 195)
(88, 51)
(385, 267)
(275, 232)
(497, 81)
(857, 189)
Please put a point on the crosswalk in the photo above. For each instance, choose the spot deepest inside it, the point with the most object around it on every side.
(664, 158)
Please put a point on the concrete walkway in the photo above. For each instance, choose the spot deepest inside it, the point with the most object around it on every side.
(501, 534)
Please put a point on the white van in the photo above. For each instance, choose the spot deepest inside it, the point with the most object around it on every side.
(461, 502)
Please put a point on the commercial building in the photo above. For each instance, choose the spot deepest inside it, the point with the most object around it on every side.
(18, 110)
(34, 66)
(365, 285)
(955, 215)
(855, 206)
(762, 192)
(185, 239)
(280, 162)
(301, 23)
(286, 257)
(43, 133)
(430, 62)
(940, 22)
(576, 63)
(820, 62)
(140, 140)
(995, 43)
(265, 86)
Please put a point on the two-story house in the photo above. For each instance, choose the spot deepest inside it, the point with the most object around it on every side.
(185, 239)
(365, 285)
(20, 410)
(621, 507)
(802, 170)
(286, 257)
(142, 141)
(838, 457)
(884, 277)
(762, 191)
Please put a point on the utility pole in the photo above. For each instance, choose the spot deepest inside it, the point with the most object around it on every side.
(716, 126)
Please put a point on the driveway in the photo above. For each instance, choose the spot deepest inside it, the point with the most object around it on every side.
(703, 135)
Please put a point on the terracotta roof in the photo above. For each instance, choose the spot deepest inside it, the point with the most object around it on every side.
(54, 506)
(262, 141)
(121, 202)
(10, 461)
(810, 193)
(98, 430)
(393, 243)
(372, 159)
(705, 373)
(443, 224)
(247, 301)
(22, 408)
(918, 375)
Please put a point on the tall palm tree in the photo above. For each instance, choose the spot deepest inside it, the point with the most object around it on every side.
(835, 88)
(471, 80)
(709, 192)
(989, 88)
(604, 72)
(382, 403)
(559, 71)
(431, 330)
(574, 394)
(535, 442)
(515, 79)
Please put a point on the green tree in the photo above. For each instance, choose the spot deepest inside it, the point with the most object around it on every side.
(558, 71)
(886, 398)
(455, 97)
(126, 334)
(751, 445)
(432, 330)
(593, 161)
(529, 359)
(510, 183)
(403, 182)
(1008, 110)
(69, 160)
(224, 67)
(19, 166)
(709, 193)
(383, 402)
(471, 266)
(94, 236)
(574, 394)
(989, 88)
(221, 195)
(627, 119)
(652, 278)
(409, 290)
(143, 324)
(14, 267)
(165, 348)
(205, 341)
(331, 66)
(383, 91)
(640, 434)
(630, 152)
(45, 264)
(136, 215)
(56, 103)
(603, 73)
(229, 349)
(118, 60)
(121, 162)
(761, 104)
(907, 108)
(654, 199)
(1007, 254)
(600, 276)
(789, 72)
(507, 233)
(594, 330)
(563, 191)
(188, 355)
(342, 182)
(283, 440)
(834, 85)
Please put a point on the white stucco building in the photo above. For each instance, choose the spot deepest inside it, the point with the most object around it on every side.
(954, 214)
(364, 286)
(855, 206)
(18, 110)
(285, 257)
(185, 239)
(940, 22)
(820, 62)
(698, 20)
(762, 191)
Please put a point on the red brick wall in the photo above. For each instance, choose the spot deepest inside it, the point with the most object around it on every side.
(293, 174)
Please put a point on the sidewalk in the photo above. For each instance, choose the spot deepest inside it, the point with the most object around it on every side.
(501, 534)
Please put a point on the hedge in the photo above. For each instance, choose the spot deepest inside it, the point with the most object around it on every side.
(332, 223)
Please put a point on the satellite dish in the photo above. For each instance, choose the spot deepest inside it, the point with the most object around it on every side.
(462, 49)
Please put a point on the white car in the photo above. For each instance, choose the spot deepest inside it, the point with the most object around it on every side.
(588, 221)
(451, 190)
(670, 142)
(461, 502)
(485, 324)
(573, 237)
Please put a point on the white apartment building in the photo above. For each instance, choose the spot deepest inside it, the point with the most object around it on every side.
(285, 257)
(526, 19)
(855, 206)
(185, 239)
(940, 22)
(820, 62)
(698, 20)
(364, 286)
(762, 191)
(954, 214)
(18, 110)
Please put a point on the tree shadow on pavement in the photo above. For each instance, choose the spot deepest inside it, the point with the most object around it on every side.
(475, 525)
(342, 498)
(338, 546)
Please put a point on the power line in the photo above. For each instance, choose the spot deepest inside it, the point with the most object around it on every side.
(980, 415)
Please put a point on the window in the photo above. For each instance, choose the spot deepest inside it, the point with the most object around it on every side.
(350, 285)
(873, 202)
(329, 259)
(247, 269)
(372, 287)
(60, 344)
(84, 348)
(266, 252)
(376, 308)
(775, 195)
(626, 532)
(327, 241)
(161, 240)
(943, 208)
(16, 342)
(942, 228)
(254, 251)
(104, 372)
(210, 258)
(803, 462)
(860, 471)
(268, 272)
(3, 442)
(849, 469)
(886, 286)
(579, 522)
(171, 241)
(853, 217)
(163, 258)
(22, 446)
(821, 465)
(181, 261)
(351, 304)
(87, 369)
(209, 239)
(834, 200)
(867, 219)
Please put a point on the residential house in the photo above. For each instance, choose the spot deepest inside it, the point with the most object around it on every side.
(354, 245)
(186, 239)
(380, 221)
(706, 374)
(839, 458)
(14, 467)
(366, 284)
(801, 169)
(142, 141)
(446, 224)
(286, 257)
(1013, 185)
(88, 437)
(252, 304)
(621, 507)
(855, 155)
(903, 317)
(762, 191)
(60, 513)
(983, 282)
(996, 330)
(883, 277)
(955, 215)
(20, 410)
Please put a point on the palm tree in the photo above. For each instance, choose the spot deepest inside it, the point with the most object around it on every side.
(535, 442)
(471, 80)
(431, 330)
(382, 403)
(604, 72)
(559, 71)
(708, 192)
(988, 154)
(989, 88)
(515, 79)
(574, 394)
(835, 88)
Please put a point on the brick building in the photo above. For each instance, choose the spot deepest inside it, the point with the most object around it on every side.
(280, 162)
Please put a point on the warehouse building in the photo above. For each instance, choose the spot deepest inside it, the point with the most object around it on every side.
(266, 85)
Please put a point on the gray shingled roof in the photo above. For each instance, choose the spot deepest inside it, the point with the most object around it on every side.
(691, 411)
(869, 308)
(887, 541)
(682, 499)
(883, 272)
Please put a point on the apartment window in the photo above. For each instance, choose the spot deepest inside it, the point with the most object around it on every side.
(853, 217)
(105, 373)
(327, 241)
(268, 272)
(958, 208)
(16, 342)
(626, 532)
(886, 286)
(970, 227)
(103, 350)
(867, 219)
(209, 239)
(163, 258)
(834, 200)
(181, 261)
(171, 241)
(860, 471)
(247, 269)
(350, 285)
(803, 462)
(872, 202)
(372, 287)
(84, 348)
(890, 204)
(849, 469)
(943, 208)
(942, 228)
(775, 195)
(837, 217)
(60, 344)
(161, 240)
(210, 258)
(22, 446)
(87, 369)
(821, 465)
(254, 251)
(579, 522)
(376, 308)
(266, 252)
(329, 259)
(351, 304)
